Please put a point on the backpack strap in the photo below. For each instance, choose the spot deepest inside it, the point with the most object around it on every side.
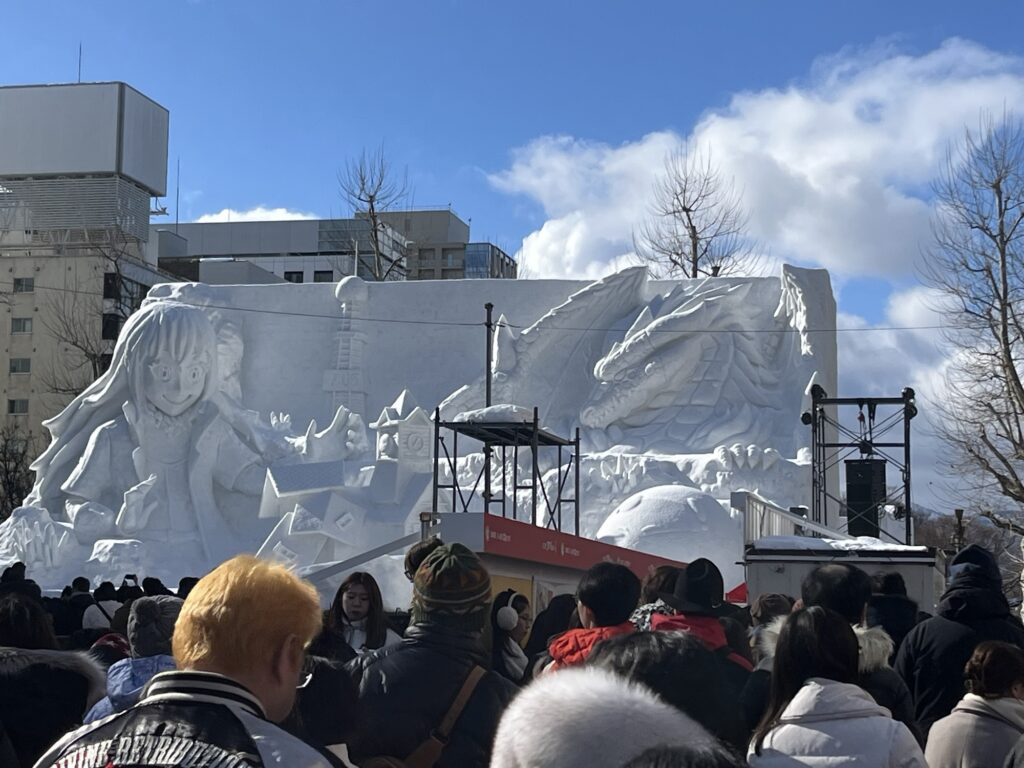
(104, 612)
(429, 752)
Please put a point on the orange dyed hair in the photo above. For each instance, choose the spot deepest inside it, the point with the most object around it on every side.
(239, 614)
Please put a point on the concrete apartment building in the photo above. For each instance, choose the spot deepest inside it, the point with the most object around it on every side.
(429, 244)
(440, 249)
(79, 167)
(301, 251)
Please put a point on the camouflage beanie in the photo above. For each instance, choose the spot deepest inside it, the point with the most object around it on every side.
(452, 588)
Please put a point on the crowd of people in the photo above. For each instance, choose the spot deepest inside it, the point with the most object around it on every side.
(243, 668)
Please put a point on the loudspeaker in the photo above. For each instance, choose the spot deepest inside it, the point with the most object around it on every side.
(865, 492)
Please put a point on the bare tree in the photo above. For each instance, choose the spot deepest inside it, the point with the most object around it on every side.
(696, 224)
(75, 316)
(370, 186)
(975, 266)
(17, 450)
(934, 530)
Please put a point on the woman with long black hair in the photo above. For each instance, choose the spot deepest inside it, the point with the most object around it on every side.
(817, 714)
(356, 619)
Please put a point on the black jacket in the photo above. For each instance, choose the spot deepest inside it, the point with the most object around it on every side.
(406, 690)
(932, 657)
(186, 718)
(896, 614)
(45, 694)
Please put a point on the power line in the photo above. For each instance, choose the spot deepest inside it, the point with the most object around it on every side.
(462, 324)
(481, 324)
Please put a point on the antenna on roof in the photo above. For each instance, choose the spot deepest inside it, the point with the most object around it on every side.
(79, 61)
(177, 197)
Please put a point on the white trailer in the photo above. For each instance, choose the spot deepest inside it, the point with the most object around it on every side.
(780, 563)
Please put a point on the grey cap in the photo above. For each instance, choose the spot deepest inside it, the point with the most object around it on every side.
(151, 625)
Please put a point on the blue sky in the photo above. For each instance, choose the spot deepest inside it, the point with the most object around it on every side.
(267, 99)
(546, 122)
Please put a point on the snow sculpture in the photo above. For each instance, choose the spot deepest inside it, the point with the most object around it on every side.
(681, 523)
(701, 384)
(179, 455)
(157, 453)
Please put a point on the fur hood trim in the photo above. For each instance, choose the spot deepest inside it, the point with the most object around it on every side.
(875, 648)
(16, 660)
(875, 645)
(584, 716)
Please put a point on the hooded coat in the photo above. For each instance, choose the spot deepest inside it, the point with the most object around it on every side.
(43, 695)
(973, 609)
(585, 717)
(876, 676)
(125, 681)
(978, 733)
(836, 725)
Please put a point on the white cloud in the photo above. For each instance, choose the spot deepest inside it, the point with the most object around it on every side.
(834, 169)
(592, 194)
(904, 350)
(259, 213)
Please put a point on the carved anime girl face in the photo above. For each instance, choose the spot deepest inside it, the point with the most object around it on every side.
(171, 358)
(174, 386)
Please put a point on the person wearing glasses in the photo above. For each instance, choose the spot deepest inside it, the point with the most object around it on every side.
(240, 644)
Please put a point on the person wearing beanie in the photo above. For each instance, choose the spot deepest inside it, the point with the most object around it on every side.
(406, 690)
(973, 609)
(150, 629)
(586, 716)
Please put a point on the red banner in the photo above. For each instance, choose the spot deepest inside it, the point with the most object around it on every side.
(522, 541)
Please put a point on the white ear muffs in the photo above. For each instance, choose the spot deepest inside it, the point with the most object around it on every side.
(507, 618)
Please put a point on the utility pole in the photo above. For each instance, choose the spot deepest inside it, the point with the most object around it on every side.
(958, 540)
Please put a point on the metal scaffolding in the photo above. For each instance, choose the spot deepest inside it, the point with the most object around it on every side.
(506, 438)
(833, 442)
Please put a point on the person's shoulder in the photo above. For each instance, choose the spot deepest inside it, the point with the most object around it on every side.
(277, 747)
(53, 754)
(503, 688)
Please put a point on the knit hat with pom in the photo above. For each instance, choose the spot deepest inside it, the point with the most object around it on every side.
(151, 625)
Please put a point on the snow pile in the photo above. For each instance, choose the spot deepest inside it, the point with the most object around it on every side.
(811, 544)
(679, 523)
(504, 412)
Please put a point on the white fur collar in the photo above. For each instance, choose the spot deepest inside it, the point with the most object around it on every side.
(875, 645)
(15, 660)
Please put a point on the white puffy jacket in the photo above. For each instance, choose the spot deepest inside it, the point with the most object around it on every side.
(839, 726)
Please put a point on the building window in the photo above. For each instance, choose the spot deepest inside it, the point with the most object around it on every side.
(293, 277)
(450, 255)
(21, 325)
(17, 407)
(111, 326)
(24, 284)
(105, 361)
(21, 365)
(323, 276)
(111, 286)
